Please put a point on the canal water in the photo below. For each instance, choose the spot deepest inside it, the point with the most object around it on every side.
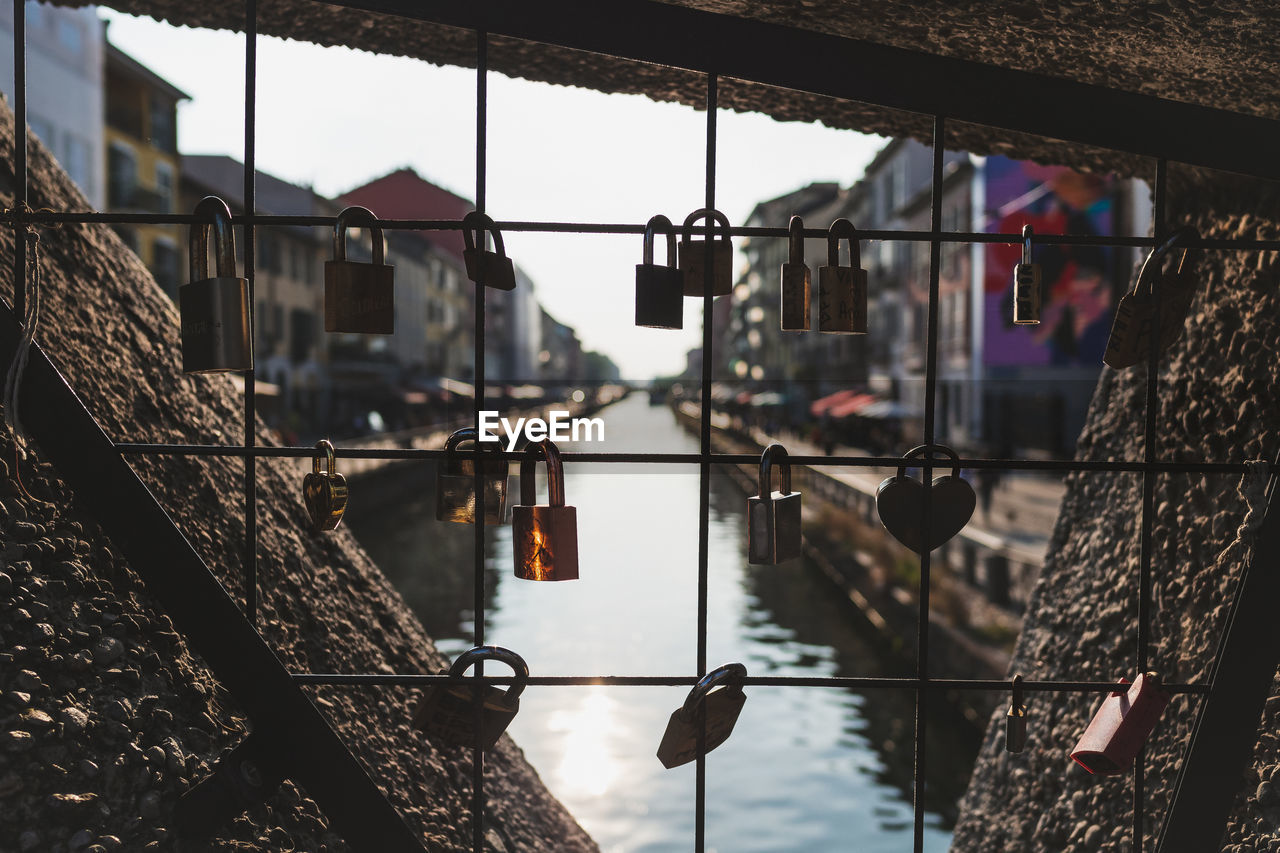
(807, 768)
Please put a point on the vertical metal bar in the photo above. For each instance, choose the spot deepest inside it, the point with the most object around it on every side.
(477, 605)
(19, 154)
(250, 402)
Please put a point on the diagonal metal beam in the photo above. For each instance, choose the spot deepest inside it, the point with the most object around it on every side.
(852, 69)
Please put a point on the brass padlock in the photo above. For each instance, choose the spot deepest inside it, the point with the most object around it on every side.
(492, 269)
(659, 289)
(456, 481)
(715, 701)
(795, 281)
(358, 298)
(1121, 726)
(447, 713)
(773, 518)
(842, 291)
(1015, 721)
(1130, 340)
(324, 492)
(217, 325)
(544, 537)
(1026, 285)
(693, 256)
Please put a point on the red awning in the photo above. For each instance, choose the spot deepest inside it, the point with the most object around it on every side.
(852, 406)
(822, 404)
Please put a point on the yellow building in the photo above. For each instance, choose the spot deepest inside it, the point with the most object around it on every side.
(142, 168)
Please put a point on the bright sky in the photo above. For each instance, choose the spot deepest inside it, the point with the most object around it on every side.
(335, 118)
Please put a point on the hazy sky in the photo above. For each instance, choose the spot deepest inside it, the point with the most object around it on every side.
(335, 118)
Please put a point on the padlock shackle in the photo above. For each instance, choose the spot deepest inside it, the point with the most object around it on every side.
(716, 217)
(324, 447)
(224, 240)
(529, 473)
(1154, 263)
(730, 675)
(795, 240)
(466, 434)
(1016, 689)
(774, 454)
(655, 224)
(479, 223)
(473, 656)
(930, 450)
(1027, 234)
(843, 229)
(362, 214)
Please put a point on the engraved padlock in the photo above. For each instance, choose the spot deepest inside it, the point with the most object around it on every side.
(456, 481)
(324, 492)
(1026, 285)
(447, 713)
(544, 537)
(1121, 726)
(693, 255)
(1130, 340)
(715, 701)
(490, 268)
(358, 298)
(773, 517)
(795, 281)
(1015, 720)
(217, 325)
(842, 291)
(659, 289)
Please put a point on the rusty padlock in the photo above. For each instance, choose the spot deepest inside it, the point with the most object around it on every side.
(693, 256)
(659, 289)
(447, 713)
(773, 518)
(1121, 726)
(842, 291)
(715, 701)
(1015, 720)
(544, 537)
(795, 281)
(493, 269)
(217, 325)
(456, 482)
(359, 298)
(1026, 285)
(1130, 340)
(324, 492)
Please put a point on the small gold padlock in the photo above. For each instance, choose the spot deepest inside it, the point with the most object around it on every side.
(795, 281)
(714, 703)
(544, 537)
(1026, 285)
(447, 713)
(492, 268)
(456, 481)
(693, 256)
(217, 324)
(842, 291)
(1130, 340)
(324, 492)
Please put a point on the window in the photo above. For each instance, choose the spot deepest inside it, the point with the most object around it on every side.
(302, 325)
(78, 161)
(122, 175)
(164, 187)
(164, 134)
(70, 35)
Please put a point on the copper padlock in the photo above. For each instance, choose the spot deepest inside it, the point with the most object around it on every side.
(1026, 285)
(842, 291)
(492, 269)
(795, 281)
(715, 701)
(1015, 720)
(358, 298)
(1121, 726)
(544, 537)
(659, 289)
(693, 256)
(217, 325)
(1130, 340)
(456, 481)
(447, 713)
(773, 518)
(324, 492)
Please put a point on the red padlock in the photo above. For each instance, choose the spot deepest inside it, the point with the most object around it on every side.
(1121, 726)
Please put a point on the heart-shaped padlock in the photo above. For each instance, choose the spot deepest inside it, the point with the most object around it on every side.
(324, 492)
(900, 501)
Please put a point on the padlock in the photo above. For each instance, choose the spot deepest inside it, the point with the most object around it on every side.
(1026, 285)
(900, 502)
(715, 701)
(693, 256)
(795, 281)
(1121, 726)
(456, 481)
(243, 778)
(773, 518)
(358, 298)
(1130, 340)
(1015, 721)
(544, 537)
(659, 289)
(842, 291)
(493, 269)
(447, 713)
(217, 326)
(324, 492)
